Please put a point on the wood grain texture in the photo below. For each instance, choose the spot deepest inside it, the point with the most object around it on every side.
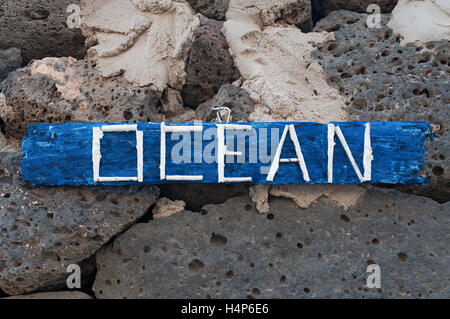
(61, 154)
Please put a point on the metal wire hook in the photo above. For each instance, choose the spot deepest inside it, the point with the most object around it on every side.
(222, 108)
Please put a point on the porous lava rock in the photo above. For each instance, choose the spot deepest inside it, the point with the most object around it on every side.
(67, 90)
(39, 29)
(210, 65)
(382, 80)
(231, 251)
(43, 230)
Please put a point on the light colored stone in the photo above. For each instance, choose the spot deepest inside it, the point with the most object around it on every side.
(260, 196)
(171, 102)
(368, 78)
(277, 68)
(344, 196)
(67, 78)
(146, 41)
(43, 229)
(421, 20)
(294, 12)
(7, 144)
(166, 207)
(67, 90)
(231, 251)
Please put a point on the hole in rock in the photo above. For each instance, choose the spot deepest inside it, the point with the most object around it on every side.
(403, 256)
(196, 265)
(218, 240)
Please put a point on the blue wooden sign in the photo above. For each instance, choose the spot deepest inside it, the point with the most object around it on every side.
(253, 153)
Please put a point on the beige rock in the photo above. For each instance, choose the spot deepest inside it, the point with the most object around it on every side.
(421, 20)
(145, 40)
(9, 144)
(155, 6)
(67, 78)
(297, 12)
(166, 207)
(54, 295)
(171, 102)
(260, 196)
(304, 195)
(278, 71)
(286, 84)
(172, 107)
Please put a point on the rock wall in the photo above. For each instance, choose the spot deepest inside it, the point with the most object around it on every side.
(174, 60)
(231, 251)
(39, 29)
(383, 80)
(45, 229)
(149, 45)
(431, 20)
(283, 81)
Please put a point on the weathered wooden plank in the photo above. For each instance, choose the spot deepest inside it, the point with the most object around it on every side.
(65, 154)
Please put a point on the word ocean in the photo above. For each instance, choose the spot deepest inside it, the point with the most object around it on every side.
(253, 153)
